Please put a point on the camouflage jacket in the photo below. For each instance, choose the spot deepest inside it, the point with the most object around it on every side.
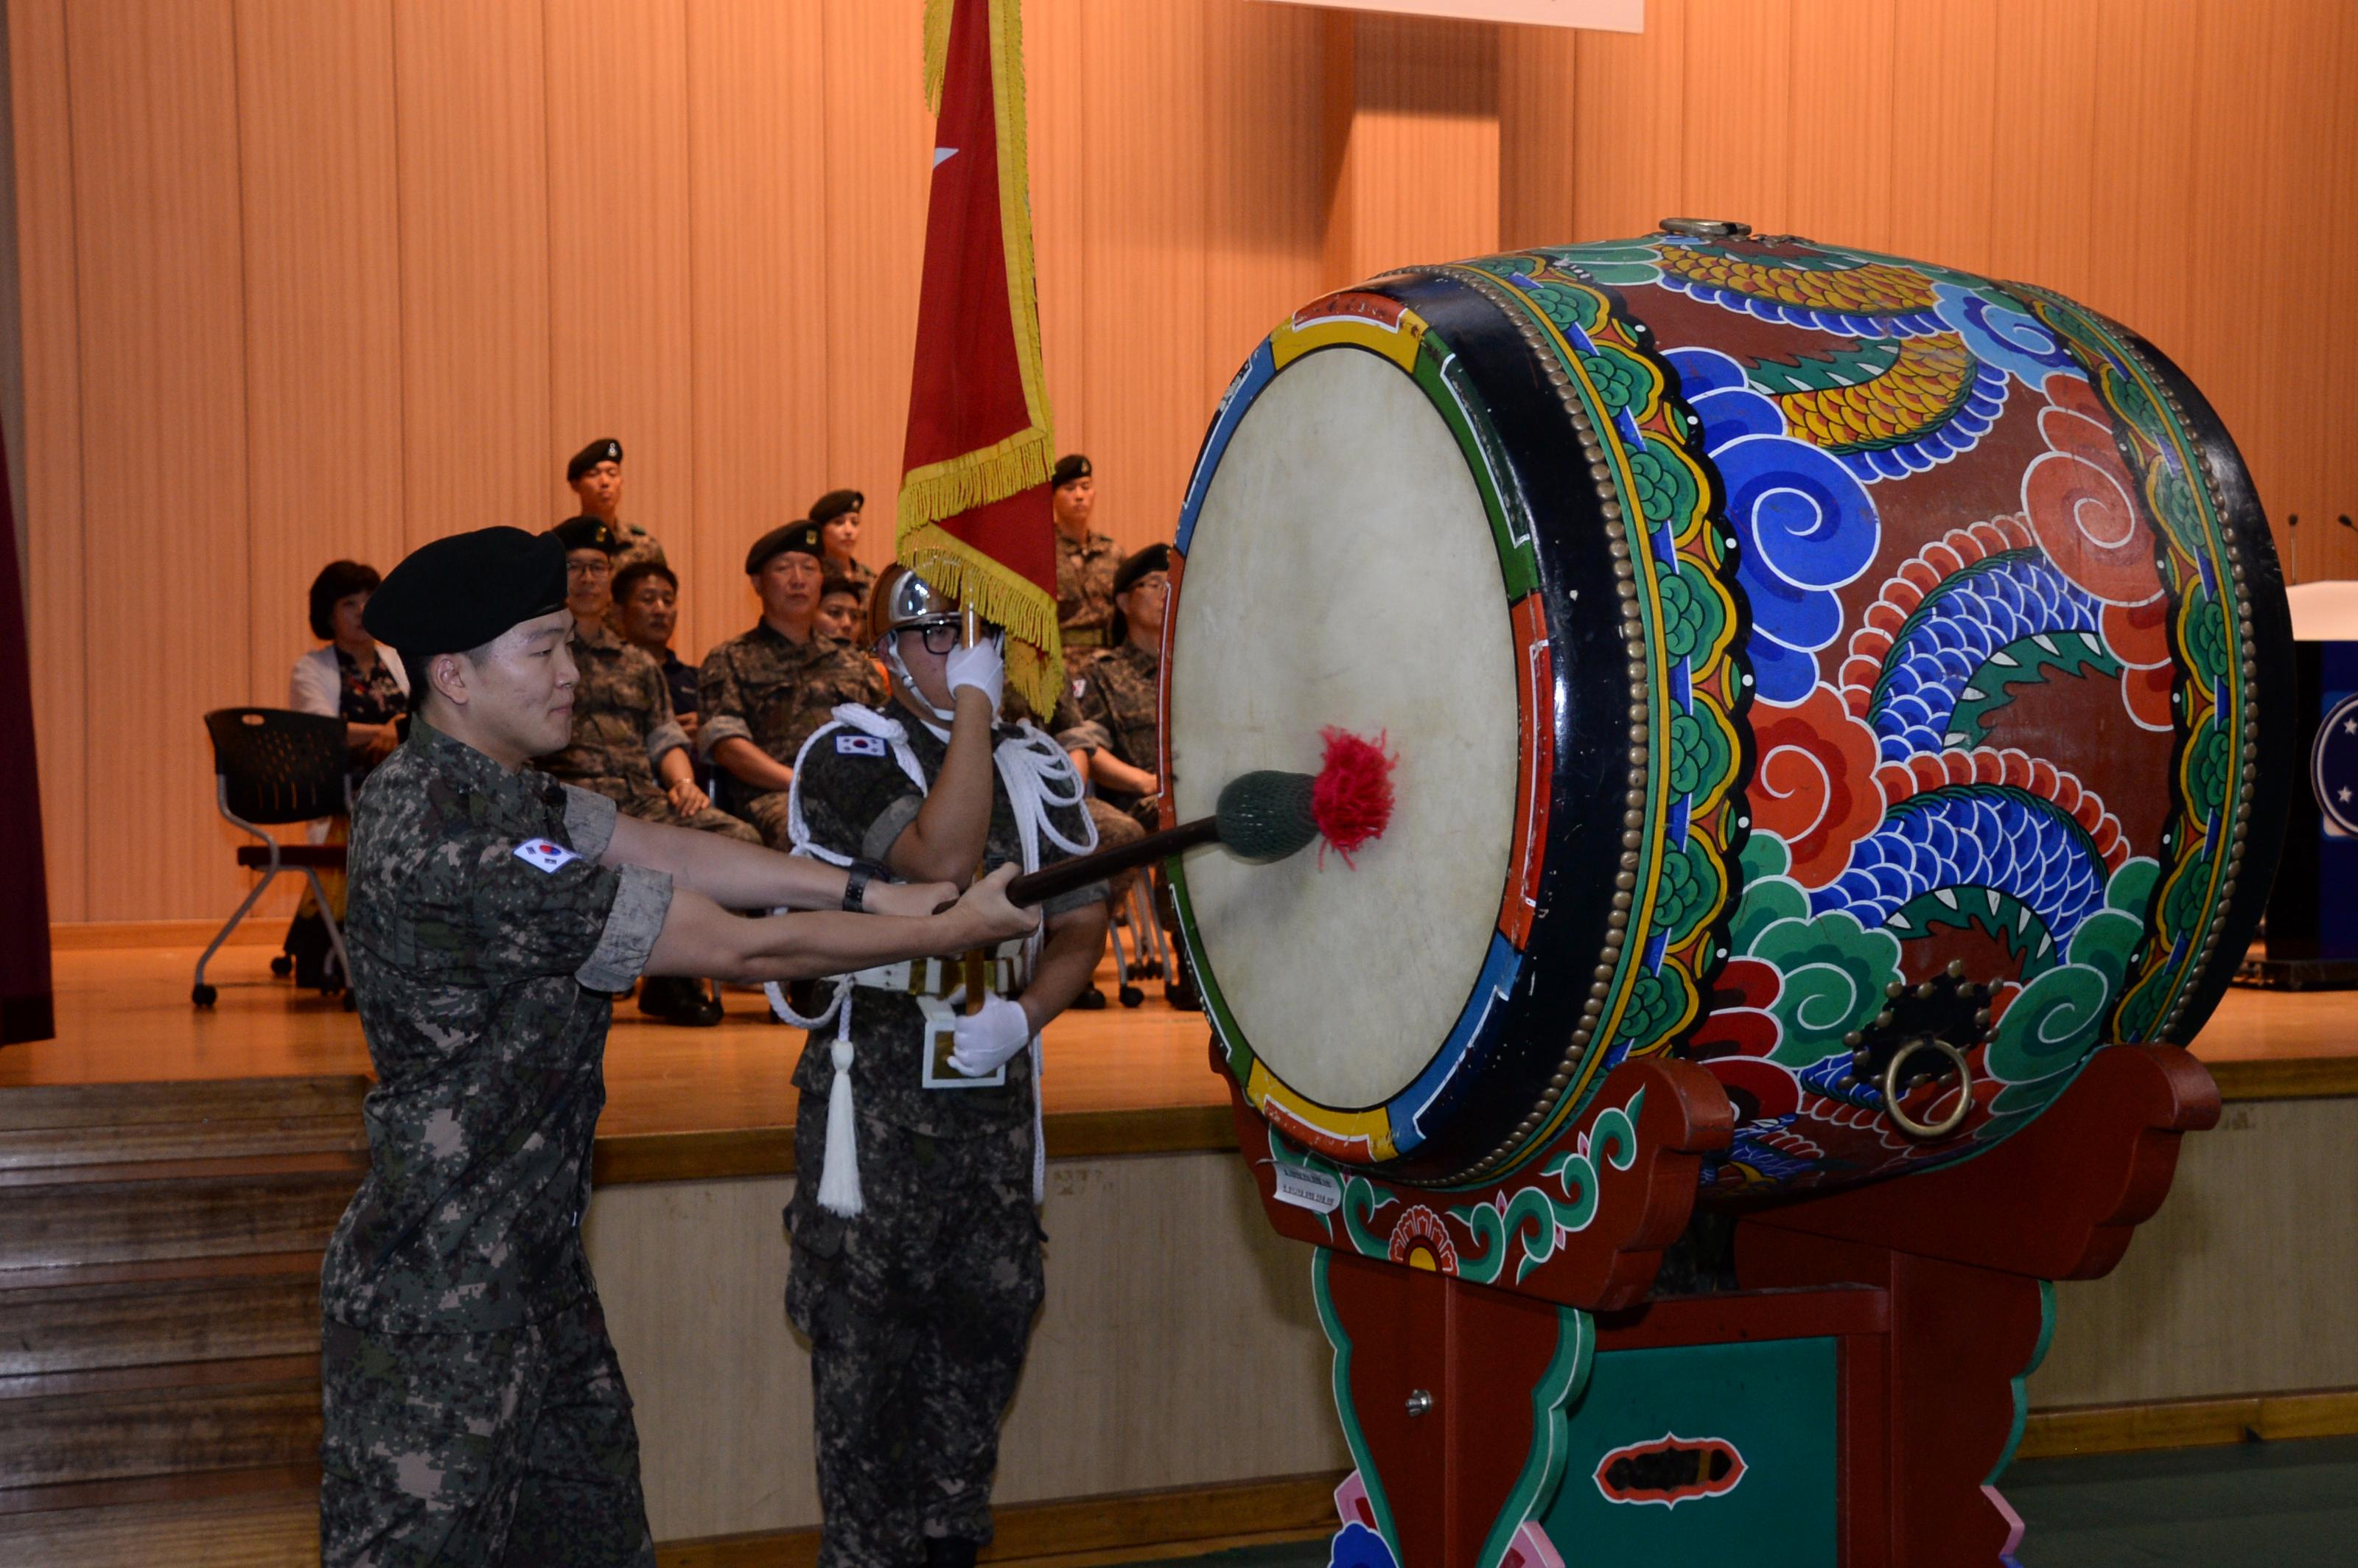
(1111, 708)
(764, 689)
(622, 723)
(1085, 595)
(857, 801)
(485, 939)
(638, 545)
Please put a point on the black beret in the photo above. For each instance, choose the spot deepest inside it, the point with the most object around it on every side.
(1153, 558)
(835, 504)
(588, 533)
(1070, 467)
(460, 592)
(802, 537)
(604, 449)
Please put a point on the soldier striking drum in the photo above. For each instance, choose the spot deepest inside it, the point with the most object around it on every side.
(475, 1412)
(916, 1255)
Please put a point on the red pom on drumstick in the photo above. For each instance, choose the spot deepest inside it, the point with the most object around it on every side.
(1352, 798)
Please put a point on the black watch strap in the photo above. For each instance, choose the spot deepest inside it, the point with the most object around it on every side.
(855, 887)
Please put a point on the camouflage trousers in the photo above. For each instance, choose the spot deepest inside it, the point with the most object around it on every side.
(515, 1447)
(918, 1310)
(653, 806)
(768, 812)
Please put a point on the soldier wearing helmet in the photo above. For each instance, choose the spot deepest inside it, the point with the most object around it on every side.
(916, 1256)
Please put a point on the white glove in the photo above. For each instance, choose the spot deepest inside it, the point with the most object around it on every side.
(986, 1040)
(982, 667)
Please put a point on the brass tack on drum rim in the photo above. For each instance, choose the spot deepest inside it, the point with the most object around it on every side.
(1624, 879)
(1620, 901)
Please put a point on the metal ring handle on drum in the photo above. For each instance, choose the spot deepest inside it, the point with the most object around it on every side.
(1925, 1131)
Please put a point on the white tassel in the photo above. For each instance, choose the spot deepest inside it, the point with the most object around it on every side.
(838, 1185)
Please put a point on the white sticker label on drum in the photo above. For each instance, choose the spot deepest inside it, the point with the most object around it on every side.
(1305, 1188)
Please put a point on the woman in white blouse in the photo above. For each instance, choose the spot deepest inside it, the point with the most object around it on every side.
(351, 678)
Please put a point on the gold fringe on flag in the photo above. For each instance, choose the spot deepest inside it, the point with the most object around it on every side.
(937, 50)
(1035, 649)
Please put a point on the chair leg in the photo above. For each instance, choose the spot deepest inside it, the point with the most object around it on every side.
(200, 992)
(335, 927)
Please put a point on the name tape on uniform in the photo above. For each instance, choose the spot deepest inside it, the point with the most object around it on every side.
(859, 745)
(549, 856)
(1306, 1188)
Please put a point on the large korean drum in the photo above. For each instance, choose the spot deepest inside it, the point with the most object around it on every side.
(1861, 678)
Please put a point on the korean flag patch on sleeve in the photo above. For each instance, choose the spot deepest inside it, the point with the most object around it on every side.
(549, 856)
(855, 745)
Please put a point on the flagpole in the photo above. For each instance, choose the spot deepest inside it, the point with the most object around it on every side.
(978, 959)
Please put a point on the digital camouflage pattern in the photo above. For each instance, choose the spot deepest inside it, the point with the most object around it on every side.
(856, 803)
(918, 1308)
(1085, 595)
(482, 983)
(855, 571)
(623, 725)
(485, 942)
(1111, 706)
(918, 1312)
(511, 1448)
(638, 545)
(762, 687)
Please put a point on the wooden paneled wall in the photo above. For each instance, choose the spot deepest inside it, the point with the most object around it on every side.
(303, 279)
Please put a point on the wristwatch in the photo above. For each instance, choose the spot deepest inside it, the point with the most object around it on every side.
(855, 886)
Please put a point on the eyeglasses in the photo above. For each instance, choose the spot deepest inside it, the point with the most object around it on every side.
(589, 569)
(939, 637)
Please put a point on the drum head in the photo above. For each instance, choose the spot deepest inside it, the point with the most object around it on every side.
(1342, 571)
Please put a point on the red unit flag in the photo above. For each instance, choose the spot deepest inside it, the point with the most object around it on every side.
(974, 513)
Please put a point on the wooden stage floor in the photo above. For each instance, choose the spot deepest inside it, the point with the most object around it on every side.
(1139, 1078)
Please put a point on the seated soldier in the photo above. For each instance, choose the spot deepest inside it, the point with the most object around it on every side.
(625, 744)
(1106, 722)
(646, 612)
(763, 692)
(842, 606)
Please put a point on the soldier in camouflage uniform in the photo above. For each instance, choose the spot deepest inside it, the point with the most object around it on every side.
(1085, 561)
(624, 732)
(1109, 721)
(764, 692)
(918, 1289)
(624, 735)
(474, 1410)
(837, 515)
(595, 474)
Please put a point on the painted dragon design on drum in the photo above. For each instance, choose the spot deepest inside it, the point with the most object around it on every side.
(1923, 583)
(1936, 797)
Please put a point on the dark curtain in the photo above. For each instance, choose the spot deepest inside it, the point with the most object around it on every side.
(26, 1008)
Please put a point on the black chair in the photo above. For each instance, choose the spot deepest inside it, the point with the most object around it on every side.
(275, 766)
